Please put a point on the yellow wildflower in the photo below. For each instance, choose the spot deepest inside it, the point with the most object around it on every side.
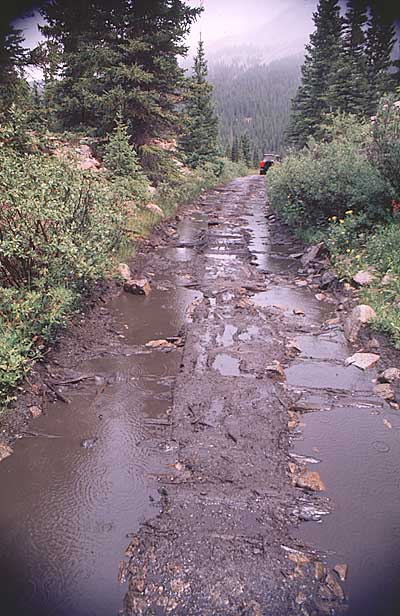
(341, 221)
(334, 218)
(348, 250)
(349, 212)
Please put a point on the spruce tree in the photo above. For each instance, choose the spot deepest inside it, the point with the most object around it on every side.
(318, 73)
(350, 81)
(235, 156)
(245, 146)
(119, 54)
(199, 141)
(379, 47)
(13, 58)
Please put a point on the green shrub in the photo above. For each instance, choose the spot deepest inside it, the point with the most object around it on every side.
(57, 224)
(59, 230)
(329, 178)
(384, 151)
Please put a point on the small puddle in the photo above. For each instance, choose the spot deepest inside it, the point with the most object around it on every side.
(226, 365)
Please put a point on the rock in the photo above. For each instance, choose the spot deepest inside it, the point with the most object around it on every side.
(334, 586)
(160, 344)
(331, 322)
(341, 570)
(360, 315)
(387, 279)
(276, 370)
(299, 558)
(138, 287)
(89, 163)
(5, 451)
(320, 571)
(125, 272)
(301, 283)
(310, 480)
(363, 278)
(153, 207)
(327, 279)
(363, 360)
(35, 411)
(320, 297)
(373, 344)
(385, 391)
(296, 255)
(299, 312)
(389, 376)
(89, 443)
(312, 253)
(301, 598)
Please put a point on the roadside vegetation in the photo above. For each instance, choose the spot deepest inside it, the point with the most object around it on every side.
(340, 181)
(84, 174)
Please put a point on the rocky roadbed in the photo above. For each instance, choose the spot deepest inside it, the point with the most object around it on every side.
(232, 490)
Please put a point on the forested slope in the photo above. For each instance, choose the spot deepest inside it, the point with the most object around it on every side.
(256, 100)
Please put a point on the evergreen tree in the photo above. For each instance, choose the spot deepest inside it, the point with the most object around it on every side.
(13, 58)
(199, 141)
(316, 95)
(245, 147)
(379, 47)
(119, 54)
(123, 165)
(349, 89)
(235, 156)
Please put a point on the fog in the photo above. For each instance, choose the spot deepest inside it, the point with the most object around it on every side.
(249, 31)
(260, 29)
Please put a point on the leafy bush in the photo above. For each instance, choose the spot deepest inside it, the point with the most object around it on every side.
(384, 151)
(56, 224)
(326, 180)
(59, 229)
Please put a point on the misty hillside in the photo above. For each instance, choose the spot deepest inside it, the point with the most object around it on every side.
(255, 99)
(264, 41)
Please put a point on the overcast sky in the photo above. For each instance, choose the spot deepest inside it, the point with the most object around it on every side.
(272, 28)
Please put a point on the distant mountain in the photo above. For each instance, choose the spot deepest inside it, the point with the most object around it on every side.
(281, 37)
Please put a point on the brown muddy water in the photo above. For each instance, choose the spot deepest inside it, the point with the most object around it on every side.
(352, 439)
(67, 510)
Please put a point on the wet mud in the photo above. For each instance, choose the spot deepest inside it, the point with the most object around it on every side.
(228, 469)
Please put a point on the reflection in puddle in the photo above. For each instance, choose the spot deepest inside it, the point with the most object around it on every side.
(360, 458)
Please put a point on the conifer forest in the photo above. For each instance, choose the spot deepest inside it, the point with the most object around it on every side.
(199, 308)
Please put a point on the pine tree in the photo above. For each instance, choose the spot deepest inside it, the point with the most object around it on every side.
(379, 47)
(199, 141)
(318, 73)
(117, 54)
(13, 58)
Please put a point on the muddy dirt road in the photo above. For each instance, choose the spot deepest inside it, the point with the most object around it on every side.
(219, 456)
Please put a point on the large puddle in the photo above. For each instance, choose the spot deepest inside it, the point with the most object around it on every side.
(353, 436)
(71, 496)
